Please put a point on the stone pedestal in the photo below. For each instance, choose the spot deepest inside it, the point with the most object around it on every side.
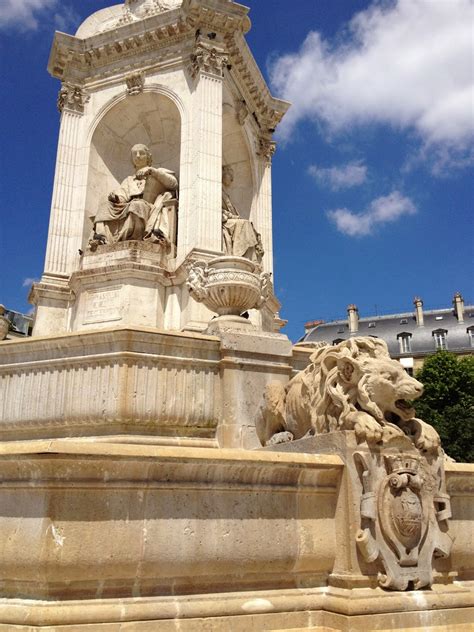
(123, 284)
(249, 361)
(140, 383)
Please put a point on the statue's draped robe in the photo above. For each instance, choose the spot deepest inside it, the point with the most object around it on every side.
(139, 212)
(239, 235)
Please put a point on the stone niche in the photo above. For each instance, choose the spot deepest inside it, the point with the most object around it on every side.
(149, 118)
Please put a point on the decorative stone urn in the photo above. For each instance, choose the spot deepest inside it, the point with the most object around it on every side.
(229, 286)
(4, 324)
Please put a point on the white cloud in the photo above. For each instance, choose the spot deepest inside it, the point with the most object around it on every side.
(381, 211)
(343, 177)
(23, 14)
(28, 282)
(66, 18)
(407, 63)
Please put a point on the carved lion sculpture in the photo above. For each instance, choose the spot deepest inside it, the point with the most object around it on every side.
(354, 385)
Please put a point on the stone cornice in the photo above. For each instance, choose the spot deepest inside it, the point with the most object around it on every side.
(49, 291)
(249, 79)
(152, 42)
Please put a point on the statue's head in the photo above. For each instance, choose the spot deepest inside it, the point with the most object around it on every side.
(141, 156)
(227, 175)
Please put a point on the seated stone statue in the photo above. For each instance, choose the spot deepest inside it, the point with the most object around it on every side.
(239, 236)
(135, 211)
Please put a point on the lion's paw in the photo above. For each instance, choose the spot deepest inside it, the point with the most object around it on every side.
(424, 436)
(391, 431)
(427, 439)
(366, 427)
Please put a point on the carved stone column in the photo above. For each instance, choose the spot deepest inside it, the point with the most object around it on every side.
(66, 215)
(201, 226)
(262, 212)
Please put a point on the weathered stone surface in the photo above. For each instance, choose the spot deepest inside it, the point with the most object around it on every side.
(151, 538)
(139, 382)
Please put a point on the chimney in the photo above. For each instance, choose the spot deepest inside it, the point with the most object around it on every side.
(458, 303)
(353, 314)
(418, 303)
(312, 324)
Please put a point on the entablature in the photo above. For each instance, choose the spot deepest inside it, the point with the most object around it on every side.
(166, 39)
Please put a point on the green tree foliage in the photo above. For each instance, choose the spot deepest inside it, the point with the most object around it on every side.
(448, 402)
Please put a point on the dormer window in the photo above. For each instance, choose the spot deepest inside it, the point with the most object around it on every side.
(371, 325)
(337, 341)
(404, 340)
(439, 336)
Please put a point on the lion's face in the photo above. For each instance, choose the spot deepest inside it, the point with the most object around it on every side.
(389, 387)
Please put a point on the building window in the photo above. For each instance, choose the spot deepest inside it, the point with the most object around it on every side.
(337, 341)
(371, 325)
(405, 342)
(440, 339)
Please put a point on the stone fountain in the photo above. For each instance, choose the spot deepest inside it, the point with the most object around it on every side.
(168, 459)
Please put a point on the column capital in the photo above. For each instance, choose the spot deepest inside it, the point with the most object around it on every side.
(207, 59)
(135, 83)
(72, 98)
(266, 147)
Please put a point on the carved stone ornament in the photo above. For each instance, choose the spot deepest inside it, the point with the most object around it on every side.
(354, 385)
(4, 324)
(404, 509)
(207, 59)
(72, 98)
(229, 286)
(242, 112)
(140, 9)
(395, 464)
(266, 148)
(135, 83)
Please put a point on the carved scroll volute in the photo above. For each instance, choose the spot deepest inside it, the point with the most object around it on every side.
(197, 280)
(266, 288)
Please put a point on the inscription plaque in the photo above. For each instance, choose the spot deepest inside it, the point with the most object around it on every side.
(103, 306)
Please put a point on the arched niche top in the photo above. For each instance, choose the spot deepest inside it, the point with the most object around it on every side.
(151, 118)
(235, 153)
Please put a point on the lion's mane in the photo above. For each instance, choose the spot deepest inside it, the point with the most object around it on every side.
(325, 396)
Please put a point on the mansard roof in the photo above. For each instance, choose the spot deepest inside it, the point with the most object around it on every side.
(392, 326)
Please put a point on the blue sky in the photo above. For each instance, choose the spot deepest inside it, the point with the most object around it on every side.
(373, 188)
